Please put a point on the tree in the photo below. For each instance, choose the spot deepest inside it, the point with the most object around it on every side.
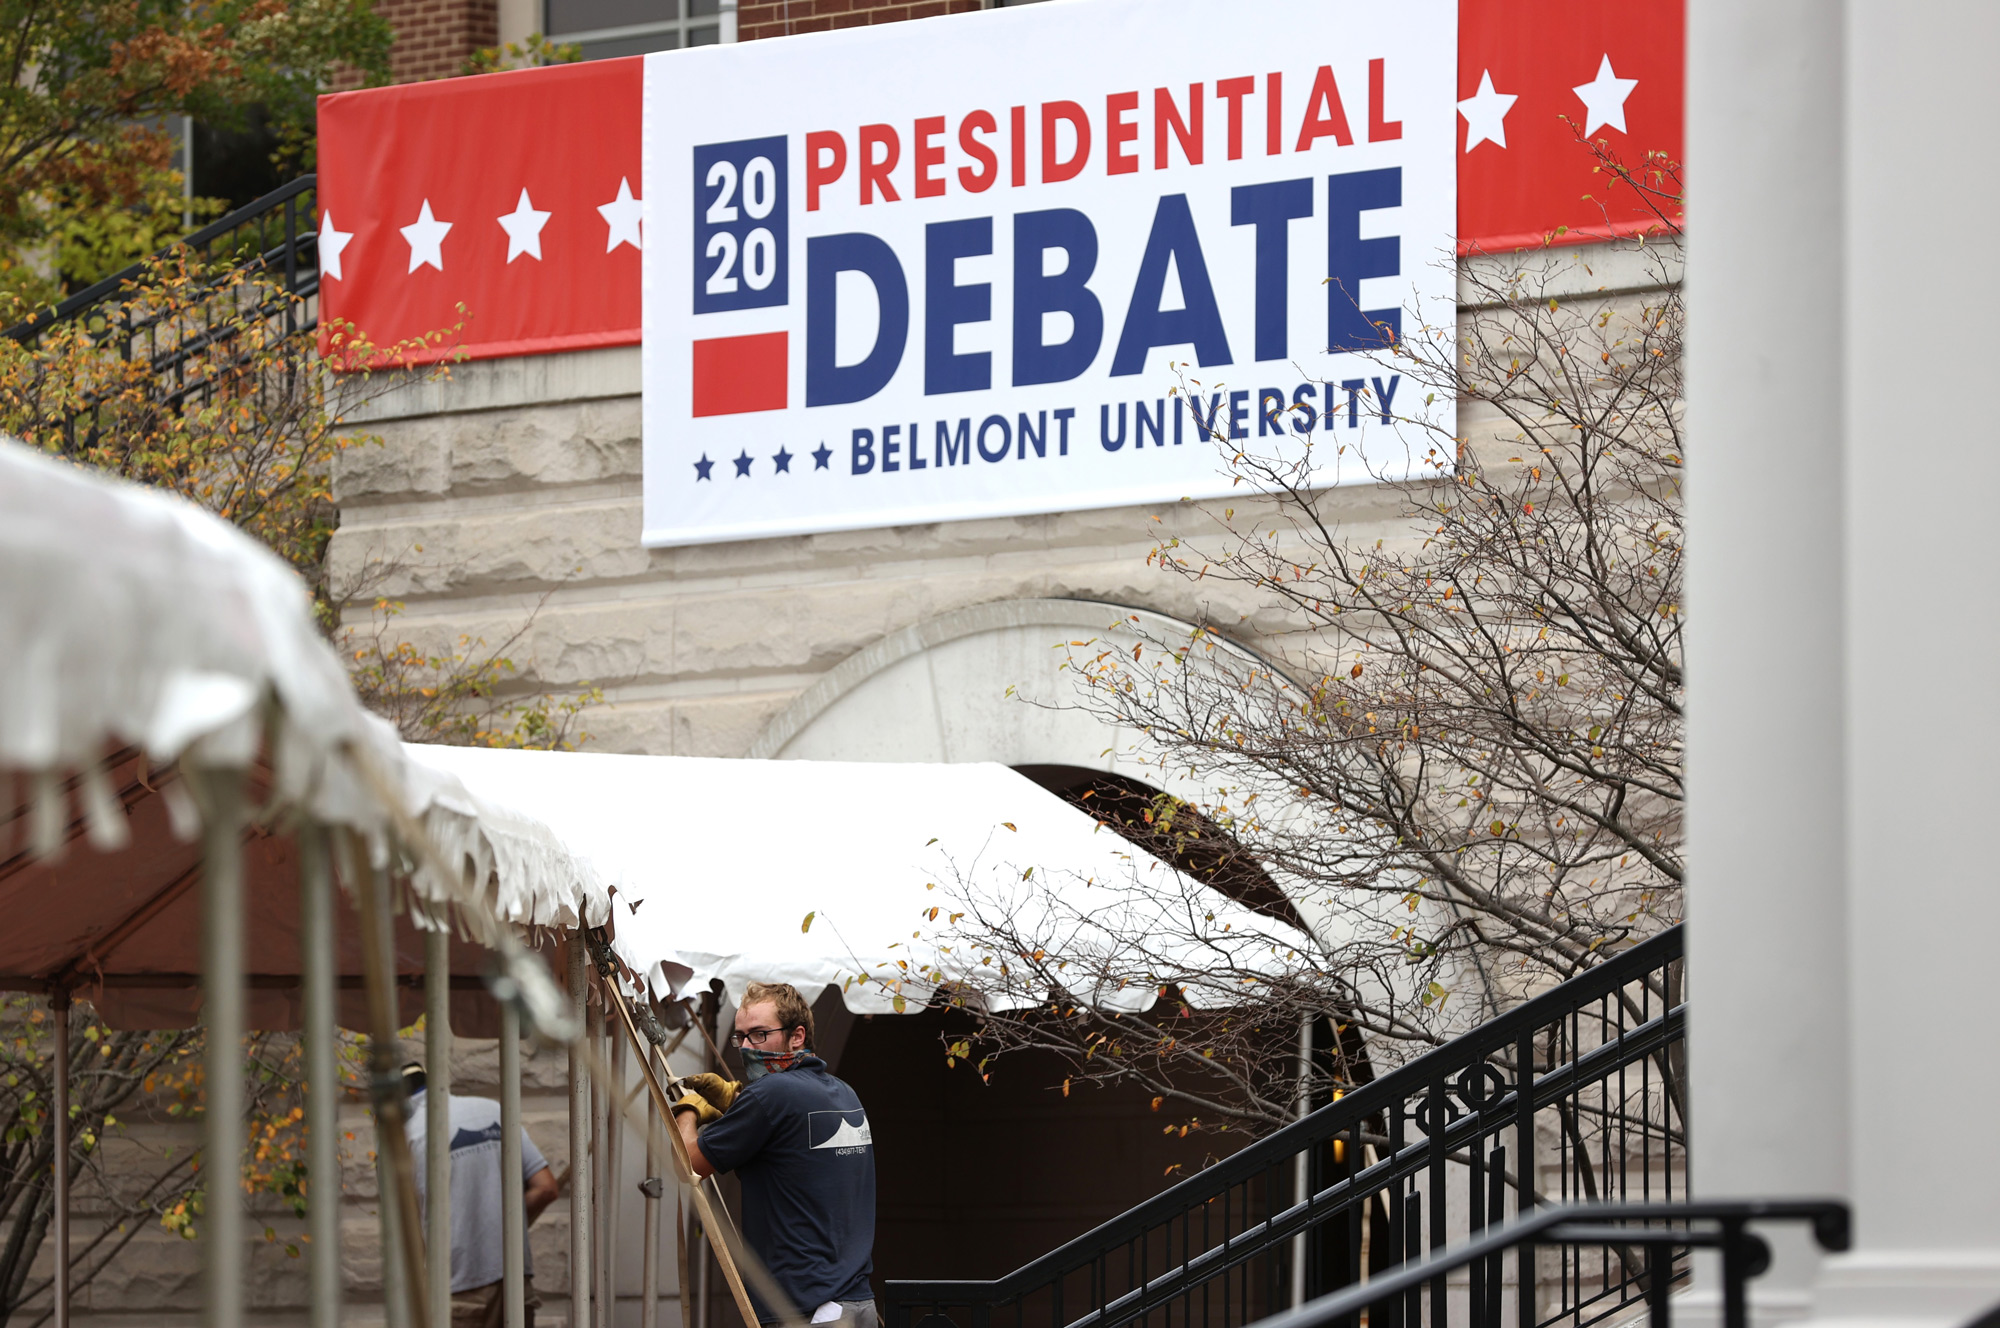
(1459, 757)
(86, 180)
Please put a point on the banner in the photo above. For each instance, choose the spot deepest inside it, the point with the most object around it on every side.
(502, 211)
(931, 271)
(1534, 76)
(516, 195)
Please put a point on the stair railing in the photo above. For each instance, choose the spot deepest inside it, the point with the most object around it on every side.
(276, 234)
(1662, 1231)
(1574, 1096)
(256, 267)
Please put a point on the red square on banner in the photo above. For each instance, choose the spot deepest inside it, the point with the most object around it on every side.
(736, 375)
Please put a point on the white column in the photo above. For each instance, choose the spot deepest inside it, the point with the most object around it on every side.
(1922, 638)
(1841, 706)
(437, 1117)
(316, 978)
(513, 1209)
(727, 35)
(1767, 940)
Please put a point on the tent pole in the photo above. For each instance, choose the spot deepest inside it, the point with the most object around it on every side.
(322, 1094)
(614, 1168)
(1302, 1164)
(59, 1012)
(403, 1273)
(593, 1031)
(649, 1263)
(580, 1265)
(223, 1013)
(437, 1114)
(389, 1221)
(701, 1277)
(513, 1209)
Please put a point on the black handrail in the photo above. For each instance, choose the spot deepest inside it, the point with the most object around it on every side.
(1173, 1250)
(1745, 1255)
(254, 213)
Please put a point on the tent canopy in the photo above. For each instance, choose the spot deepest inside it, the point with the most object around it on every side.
(136, 632)
(715, 866)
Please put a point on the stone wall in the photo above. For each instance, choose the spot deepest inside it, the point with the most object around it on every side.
(505, 500)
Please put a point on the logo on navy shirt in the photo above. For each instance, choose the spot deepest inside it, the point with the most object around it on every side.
(466, 1138)
(844, 1132)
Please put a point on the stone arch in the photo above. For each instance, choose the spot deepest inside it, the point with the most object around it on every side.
(940, 691)
(963, 687)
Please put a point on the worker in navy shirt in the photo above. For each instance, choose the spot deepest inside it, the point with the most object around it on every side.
(798, 1141)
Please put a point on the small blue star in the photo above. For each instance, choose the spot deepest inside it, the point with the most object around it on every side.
(702, 467)
(742, 465)
(782, 461)
(821, 455)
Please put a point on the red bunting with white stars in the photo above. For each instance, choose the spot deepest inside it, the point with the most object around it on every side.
(518, 195)
(515, 195)
(1534, 74)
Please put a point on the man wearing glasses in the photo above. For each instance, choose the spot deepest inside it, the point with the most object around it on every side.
(798, 1140)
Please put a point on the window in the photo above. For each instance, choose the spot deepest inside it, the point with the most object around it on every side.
(607, 28)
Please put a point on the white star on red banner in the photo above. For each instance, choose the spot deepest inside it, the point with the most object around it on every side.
(331, 243)
(524, 229)
(621, 214)
(1485, 113)
(1604, 99)
(425, 237)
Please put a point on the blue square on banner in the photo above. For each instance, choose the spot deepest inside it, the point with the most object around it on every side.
(740, 208)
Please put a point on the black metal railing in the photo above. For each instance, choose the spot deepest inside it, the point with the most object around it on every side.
(1575, 1096)
(255, 270)
(1408, 1296)
(275, 234)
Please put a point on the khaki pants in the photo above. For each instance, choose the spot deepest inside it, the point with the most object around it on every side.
(853, 1314)
(480, 1307)
(856, 1314)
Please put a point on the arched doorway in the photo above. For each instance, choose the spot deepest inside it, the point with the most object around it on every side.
(977, 1176)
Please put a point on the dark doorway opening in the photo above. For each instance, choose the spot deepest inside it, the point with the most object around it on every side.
(976, 1178)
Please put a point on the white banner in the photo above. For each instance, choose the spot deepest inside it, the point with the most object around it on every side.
(948, 268)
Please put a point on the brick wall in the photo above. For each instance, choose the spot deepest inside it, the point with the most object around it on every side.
(777, 18)
(434, 38)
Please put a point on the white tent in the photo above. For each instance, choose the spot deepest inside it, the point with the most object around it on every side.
(161, 679)
(716, 866)
(133, 624)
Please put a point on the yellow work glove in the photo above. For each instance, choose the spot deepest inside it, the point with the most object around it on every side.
(704, 1111)
(719, 1091)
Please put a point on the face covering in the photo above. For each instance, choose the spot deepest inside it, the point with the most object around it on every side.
(757, 1064)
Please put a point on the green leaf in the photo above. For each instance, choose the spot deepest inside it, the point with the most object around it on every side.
(807, 925)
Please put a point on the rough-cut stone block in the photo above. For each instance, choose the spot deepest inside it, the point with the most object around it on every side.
(724, 726)
(403, 461)
(755, 631)
(545, 445)
(485, 552)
